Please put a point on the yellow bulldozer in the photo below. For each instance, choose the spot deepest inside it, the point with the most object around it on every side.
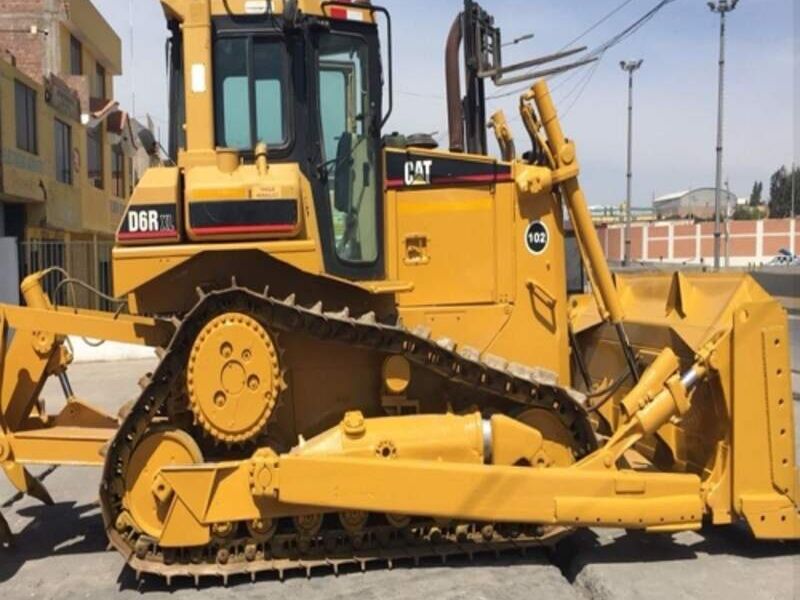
(370, 349)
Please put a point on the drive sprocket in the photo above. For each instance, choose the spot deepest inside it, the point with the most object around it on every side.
(233, 378)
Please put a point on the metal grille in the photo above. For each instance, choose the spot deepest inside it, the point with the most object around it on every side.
(85, 260)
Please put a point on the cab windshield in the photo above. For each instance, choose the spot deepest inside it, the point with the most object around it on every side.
(250, 80)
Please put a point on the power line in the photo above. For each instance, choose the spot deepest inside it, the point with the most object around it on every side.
(579, 85)
(596, 25)
(419, 95)
(580, 36)
(631, 29)
(600, 50)
(588, 80)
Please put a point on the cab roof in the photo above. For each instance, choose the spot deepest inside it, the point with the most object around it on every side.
(351, 10)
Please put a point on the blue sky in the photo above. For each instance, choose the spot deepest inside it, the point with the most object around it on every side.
(675, 95)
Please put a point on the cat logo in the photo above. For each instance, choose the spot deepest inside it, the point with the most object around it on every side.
(418, 172)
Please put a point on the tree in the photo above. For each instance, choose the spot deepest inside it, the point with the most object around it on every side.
(780, 192)
(755, 195)
(747, 213)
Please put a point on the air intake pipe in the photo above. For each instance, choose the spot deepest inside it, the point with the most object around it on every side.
(455, 110)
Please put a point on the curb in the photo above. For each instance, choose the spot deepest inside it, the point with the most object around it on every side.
(88, 351)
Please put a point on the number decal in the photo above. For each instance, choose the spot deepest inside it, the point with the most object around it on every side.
(537, 238)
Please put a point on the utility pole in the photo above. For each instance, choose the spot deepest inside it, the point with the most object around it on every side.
(133, 58)
(727, 223)
(629, 66)
(794, 189)
(722, 7)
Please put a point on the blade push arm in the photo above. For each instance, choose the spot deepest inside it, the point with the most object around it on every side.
(560, 153)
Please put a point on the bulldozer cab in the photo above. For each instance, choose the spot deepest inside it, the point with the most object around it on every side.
(311, 90)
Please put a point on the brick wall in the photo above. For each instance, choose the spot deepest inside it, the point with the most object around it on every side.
(750, 242)
(16, 19)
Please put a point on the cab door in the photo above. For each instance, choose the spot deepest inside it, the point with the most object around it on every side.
(348, 179)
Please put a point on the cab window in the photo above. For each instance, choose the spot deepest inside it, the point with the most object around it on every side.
(251, 88)
(346, 112)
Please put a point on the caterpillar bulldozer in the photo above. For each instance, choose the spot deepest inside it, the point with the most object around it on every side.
(369, 347)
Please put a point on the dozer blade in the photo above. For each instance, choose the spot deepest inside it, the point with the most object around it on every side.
(27, 483)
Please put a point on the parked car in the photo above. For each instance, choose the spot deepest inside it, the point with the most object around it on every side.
(785, 258)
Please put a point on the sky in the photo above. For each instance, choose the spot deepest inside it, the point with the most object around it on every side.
(675, 91)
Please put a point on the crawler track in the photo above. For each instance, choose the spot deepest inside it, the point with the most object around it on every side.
(379, 542)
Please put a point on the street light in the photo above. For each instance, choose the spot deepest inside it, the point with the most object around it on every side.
(722, 7)
(629, 66)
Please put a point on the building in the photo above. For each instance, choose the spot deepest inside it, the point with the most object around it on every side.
(616, 214)
(692, 204)
(66, 149)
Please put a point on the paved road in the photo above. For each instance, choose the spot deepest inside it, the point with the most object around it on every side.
(61, 550)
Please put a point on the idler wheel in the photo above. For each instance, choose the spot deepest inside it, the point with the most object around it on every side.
(148, 499)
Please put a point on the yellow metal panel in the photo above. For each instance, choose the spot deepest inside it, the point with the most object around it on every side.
(507, 206)
(765, 476)
(23, 374)
(309, 7)
(77, 446)
(137, 266)
(281, 182)
(3, 343)
(540, 308)
(487, 493)
(471, 325)
(91, 324)
(447, 246)
(775, 343)
(182, 528)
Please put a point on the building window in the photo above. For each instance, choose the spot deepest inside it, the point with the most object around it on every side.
(94, 156)
(118, 170)
(132, 179)
(63, 147)
(75, 56)
(100, 82)
(25, 107)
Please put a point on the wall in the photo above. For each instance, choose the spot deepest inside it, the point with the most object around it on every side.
(98, 37)
(30, 178)
(9, 267)
(751, 242)
(16, 19)
(22, 172)
(39, 54)
(83, 83)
